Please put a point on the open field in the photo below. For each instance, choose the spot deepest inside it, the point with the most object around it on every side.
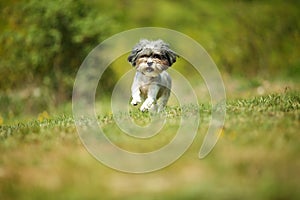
(255, 46)
(256, 157)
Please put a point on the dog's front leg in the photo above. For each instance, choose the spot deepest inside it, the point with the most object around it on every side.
(136, 99)
(135, 93)
(149, 103)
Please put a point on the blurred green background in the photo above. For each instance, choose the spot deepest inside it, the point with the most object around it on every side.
(44, 42)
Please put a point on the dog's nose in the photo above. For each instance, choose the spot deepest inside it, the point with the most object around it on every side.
(149, 63)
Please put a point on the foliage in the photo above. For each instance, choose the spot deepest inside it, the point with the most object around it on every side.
(247, 38)
(44, 42)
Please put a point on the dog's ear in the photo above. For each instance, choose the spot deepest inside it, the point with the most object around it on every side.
(133, 55)
(168, 53)
(136, 49)
(171, 56)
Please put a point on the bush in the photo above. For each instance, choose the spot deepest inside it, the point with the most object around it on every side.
(44, 42)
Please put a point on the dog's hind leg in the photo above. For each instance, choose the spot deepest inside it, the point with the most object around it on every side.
(163, 100)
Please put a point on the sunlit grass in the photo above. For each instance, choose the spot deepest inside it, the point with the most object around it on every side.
(257, 157)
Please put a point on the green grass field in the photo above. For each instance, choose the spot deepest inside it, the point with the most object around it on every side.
(256, 157)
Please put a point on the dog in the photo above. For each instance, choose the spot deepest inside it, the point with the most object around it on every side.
(151, 83)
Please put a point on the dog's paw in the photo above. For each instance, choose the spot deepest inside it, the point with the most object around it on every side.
(144, 108)
(135, 102)
(147, 105)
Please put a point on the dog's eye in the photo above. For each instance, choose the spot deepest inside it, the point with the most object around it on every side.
(157, 56)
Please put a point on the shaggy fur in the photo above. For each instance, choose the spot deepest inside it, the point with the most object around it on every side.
(151, 83)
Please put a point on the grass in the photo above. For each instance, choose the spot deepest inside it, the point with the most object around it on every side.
(256, 157)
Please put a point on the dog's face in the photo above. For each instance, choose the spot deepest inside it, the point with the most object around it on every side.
(152, 57)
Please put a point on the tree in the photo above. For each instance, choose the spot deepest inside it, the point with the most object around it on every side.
(44, 42)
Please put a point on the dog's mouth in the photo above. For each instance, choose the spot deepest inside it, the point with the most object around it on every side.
(149, 69)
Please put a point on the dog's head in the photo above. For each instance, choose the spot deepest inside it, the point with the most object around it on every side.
(152, 57)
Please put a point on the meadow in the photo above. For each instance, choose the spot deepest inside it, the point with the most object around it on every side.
(254, 44)
(256, 157)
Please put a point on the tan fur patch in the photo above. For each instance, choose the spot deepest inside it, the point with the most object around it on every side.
(141, 60)
(163, 62)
